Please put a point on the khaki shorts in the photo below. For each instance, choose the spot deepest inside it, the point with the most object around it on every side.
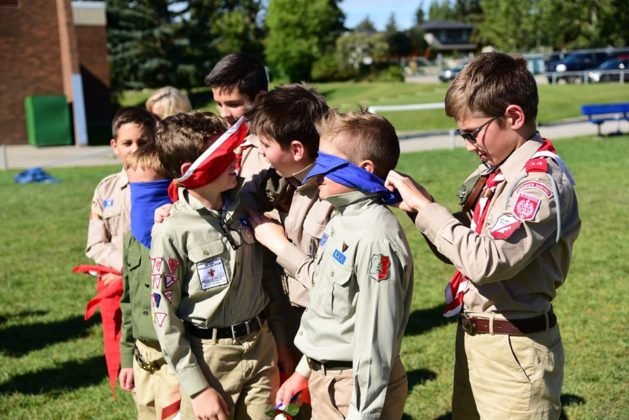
(154, 391)
(331, 393)
(244, 371)
(507, 376)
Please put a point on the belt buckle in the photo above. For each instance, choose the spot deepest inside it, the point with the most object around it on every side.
(467, 324)
(237, 332)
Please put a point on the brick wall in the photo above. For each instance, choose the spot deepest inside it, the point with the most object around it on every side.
(30, 62)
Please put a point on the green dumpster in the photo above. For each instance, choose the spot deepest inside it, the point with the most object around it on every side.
(47, 120)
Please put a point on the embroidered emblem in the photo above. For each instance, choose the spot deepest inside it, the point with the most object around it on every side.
(156, 264)
(159, 317)
(505, 226)
(338, 256)
(169, 280)
(538, 186)
(379, 266)
(526, 206)
(168, 294)
(324, 239)
(157, 278)
(173, 264)
(157, 298)
(212, 274)
(108, 202)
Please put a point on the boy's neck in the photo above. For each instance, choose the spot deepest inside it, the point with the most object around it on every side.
(209, 197)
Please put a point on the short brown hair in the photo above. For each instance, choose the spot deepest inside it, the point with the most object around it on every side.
(146, 157)
(287, 113)
(134, 115)
(362, 136)
(239, 70)
(491, 82)
(184, 137)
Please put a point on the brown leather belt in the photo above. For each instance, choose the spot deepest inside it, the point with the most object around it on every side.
(473, 325)
(329, 365)
(234, 331)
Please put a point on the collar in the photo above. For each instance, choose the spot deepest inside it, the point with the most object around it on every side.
(353, 202)
(230, 201)
(514, 165)
(298, 177)
(124, 179)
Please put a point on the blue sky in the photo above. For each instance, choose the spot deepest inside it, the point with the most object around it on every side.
(380, 10)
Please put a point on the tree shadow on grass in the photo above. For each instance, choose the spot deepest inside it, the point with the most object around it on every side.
(423, 320)
(418, 377)
(18, 340)
(67, 376)
(4, 318)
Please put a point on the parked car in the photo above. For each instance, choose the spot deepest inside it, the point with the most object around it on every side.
(447, 75)
(619, 64)
(576, 62)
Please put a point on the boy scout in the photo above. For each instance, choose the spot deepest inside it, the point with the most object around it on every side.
(284, 121)
(143, 368)
(352, 331)
(511, 247)
(206, 277)
(109, 222)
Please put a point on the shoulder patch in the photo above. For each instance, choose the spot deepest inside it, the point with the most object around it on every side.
(379, 267)
(526, 206)
(537, 186)
(505, 226)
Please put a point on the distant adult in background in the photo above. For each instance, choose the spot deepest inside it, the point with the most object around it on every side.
(168, 101)
(511, 245)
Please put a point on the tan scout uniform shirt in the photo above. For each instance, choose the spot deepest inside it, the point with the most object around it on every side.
(304, 225)
(109, 220)
(360, 303)
(200, 278)
(517, 276)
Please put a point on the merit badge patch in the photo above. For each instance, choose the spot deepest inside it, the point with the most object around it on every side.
(338, 256)
(173, 264)
(168, 294)
(379, 267)
(156, 264)
(323, 240)
(505, 226)
(159, 317)
(157, 278)
(536, 185)
(108, 202)
(211, 274)
(169, 280)
(157, 298)
(526, 206)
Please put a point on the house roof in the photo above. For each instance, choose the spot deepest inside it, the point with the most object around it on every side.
(444, 24)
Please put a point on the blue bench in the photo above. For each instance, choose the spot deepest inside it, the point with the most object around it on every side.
(599, 113)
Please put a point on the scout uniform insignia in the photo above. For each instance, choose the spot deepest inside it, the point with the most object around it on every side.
(211, 274)
(526, 206)
(379, 267)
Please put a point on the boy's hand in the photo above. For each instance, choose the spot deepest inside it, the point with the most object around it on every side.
(162, 213)
(209, 404)
(268, 232)
(126, 379)
(414, 196)
(293, 385)
(108, 278)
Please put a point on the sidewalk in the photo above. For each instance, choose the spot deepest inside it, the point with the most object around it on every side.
(27, 156)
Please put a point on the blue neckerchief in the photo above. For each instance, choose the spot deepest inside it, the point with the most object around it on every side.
(145, 198)
(346, 173)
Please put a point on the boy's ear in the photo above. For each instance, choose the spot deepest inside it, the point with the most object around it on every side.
(368, 165)
(114, 146)
(184, 167)
(297, 150)
(515, 116)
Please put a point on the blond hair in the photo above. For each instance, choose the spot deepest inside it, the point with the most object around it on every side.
(168, 101)
(146, 158)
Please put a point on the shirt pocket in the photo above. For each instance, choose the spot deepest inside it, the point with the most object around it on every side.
(340, 294)
(210, 270)
(112, 217)
(133, 259)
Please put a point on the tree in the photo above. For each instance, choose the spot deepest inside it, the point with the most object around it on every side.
(440, 10)
(300, 31)
(366, 26)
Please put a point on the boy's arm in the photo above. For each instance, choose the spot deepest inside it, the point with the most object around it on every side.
(168, 272)
(127, 341)
(379, 318)
(99, 246)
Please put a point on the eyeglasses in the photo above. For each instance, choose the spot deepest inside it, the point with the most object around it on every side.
(233, 235)
(471, 135)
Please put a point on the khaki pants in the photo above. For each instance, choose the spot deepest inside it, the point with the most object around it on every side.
(153, 391)
(506, 376)
(331, 392)
(244, 371)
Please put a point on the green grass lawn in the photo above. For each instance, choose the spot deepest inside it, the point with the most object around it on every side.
(557, 102)
(51, 363)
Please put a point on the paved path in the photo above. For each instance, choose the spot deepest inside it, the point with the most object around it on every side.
(27, 156)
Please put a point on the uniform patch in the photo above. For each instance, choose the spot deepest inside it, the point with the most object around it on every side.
(526, 206)
(379, 267)
(159, 318)
(212, 274)
(169, 280)
(168, 294)
(157, 298)
(505, 226)
(156, 264)
(157, 279)
(324, 239)
(338, 256)
(538, 186)
(108, 202)
(173, 264)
